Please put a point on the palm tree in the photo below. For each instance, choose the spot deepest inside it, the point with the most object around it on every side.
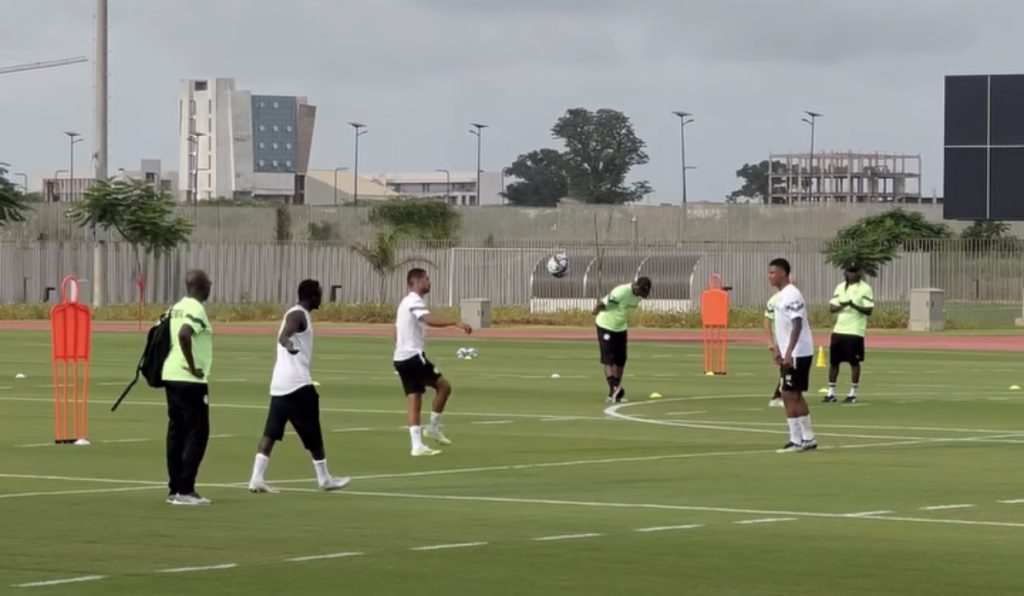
(12, 201)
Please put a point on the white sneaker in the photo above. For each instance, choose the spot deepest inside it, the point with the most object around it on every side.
(171, 498)
(437, 435)
(335, 483)
(261, 487)
(775, 403)
(424, 451)
(191, 499)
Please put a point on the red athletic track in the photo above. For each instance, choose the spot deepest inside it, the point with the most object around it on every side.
(1000, 343)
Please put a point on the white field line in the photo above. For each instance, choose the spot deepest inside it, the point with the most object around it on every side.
(764, 520)
(1012, 501)
(947, 507)
(868, 513)
(357, 429)
(115, 441)
(482, 422)
(567, 537)
(448, 546)
(323, 557)
(87, 491)
(60, 582)
(670, 528)
(220, 567)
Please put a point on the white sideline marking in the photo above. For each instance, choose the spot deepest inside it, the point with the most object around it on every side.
(1012, 501)
(689, 413)
(567, 537)
(58, 582)
(87, 491)
(321, 557)
(109, 441)
(493, 422)
(765, 520)
(868, 513)
(357, 429)
(669, 528)
(945, 507)
(203, 568)
(558, 419)
(448, 546)
(666, 507)
(82, 479)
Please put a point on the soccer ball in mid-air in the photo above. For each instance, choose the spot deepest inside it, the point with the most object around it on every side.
(558, 264)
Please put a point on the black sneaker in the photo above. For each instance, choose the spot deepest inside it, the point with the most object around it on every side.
(809, 445)
(791, 447)
(829, 399)
(850, 399)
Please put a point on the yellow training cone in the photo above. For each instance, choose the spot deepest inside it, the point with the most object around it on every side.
(709, 374)
(822, 362)
(823, 391)
(655, 395)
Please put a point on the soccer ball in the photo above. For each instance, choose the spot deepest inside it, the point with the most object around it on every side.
(558, 264)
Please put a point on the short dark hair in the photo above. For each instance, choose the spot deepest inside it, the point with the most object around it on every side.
(644, 285)
(308, 289)
(415, 274)
(781, 264)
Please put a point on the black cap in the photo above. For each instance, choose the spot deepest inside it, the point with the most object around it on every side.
(852, 266)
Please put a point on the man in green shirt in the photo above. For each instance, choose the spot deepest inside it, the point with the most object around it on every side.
(853, 302)
(186, 373)
(612, 313)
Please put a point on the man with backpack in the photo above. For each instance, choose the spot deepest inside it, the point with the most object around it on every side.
(185, 377)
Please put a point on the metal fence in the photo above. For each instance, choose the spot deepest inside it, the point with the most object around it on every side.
(990, 273)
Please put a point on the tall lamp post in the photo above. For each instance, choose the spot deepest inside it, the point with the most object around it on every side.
(478, 130)
(684, 119)
(73, 139)
(336, 170)
(360, 130)
(811, 117)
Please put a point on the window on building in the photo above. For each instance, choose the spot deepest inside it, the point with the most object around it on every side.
(263, 104)
(192, 107)
(150, 177)
(288, 146)
(425, 187)
(276, 128)
(274, 145)
(276, 105)
(472, 200)
(287, 163)
(199, 86)
(262, 163)
(288, 128)
(209, 105)
(263, 145)
(263, 128)
(274, 163)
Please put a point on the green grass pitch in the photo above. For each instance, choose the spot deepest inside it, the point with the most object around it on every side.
(917, 490)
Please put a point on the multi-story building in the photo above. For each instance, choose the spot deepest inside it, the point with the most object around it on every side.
(59, 189)
(235, 144)
(844, 177)
(458, 188)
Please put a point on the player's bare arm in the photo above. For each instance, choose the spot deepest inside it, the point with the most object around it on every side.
(834, 308)
(439, 322)
(598, 309)
(185, 341)
(295, 323)
(864, 310)
(794, 336)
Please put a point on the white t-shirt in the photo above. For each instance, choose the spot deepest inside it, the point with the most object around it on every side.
(789, 306)
(291, 371)
(409, 337)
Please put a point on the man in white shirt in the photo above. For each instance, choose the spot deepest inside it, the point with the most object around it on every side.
(793, 351)
(293, 397)
(410, 359)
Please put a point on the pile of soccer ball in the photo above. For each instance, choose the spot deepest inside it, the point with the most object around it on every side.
(558, 264)
(466, 353)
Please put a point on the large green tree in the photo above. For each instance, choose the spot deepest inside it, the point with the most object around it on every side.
(873, 241)
(542, 179)
(138, 211)
(12, 202)
(601, 148)
(755, 181)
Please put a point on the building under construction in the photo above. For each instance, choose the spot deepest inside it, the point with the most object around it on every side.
(845, 178)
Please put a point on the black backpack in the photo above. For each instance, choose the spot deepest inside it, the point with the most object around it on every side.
(151, 364)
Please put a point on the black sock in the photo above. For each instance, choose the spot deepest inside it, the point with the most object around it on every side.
(613, 382)
(778, 393)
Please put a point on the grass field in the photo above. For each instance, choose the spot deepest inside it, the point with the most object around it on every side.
(917, 490)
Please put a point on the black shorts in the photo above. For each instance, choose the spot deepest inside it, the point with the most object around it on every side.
(302, 409)
(613, 347)
(846, 348)
(417, 373)
(797, 378)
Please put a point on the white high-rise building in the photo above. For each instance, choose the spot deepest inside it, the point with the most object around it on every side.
(233, 144)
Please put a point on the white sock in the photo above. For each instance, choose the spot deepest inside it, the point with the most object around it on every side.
(805, 427)
(795, 435)
(435, 421)
(259, 467)
(853, 389)
(832, 389)
(416, 434)
(322, 475)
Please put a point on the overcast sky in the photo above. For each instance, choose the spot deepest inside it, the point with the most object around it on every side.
(418, 71)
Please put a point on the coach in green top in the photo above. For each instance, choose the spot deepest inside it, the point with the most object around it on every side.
(612, 313)
(853, 302)
(186, 373)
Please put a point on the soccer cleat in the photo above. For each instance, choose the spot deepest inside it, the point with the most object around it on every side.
(172, 497)
(436, 435)
(424, 451)
(810, 445)
(261, 488)
(829, 399)
(850, 399)
(775, 403)
(191, 499)
(336, 483)
(791, 447)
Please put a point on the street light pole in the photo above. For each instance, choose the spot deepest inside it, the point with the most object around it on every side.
(684, 119)
(336, 170)
(448, 184)
(24, 183)
(478, 130)
(73, 138)
(812, 116)
(360, 131)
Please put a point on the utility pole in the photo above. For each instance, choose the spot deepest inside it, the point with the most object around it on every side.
(99, 270)
(478, 130)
